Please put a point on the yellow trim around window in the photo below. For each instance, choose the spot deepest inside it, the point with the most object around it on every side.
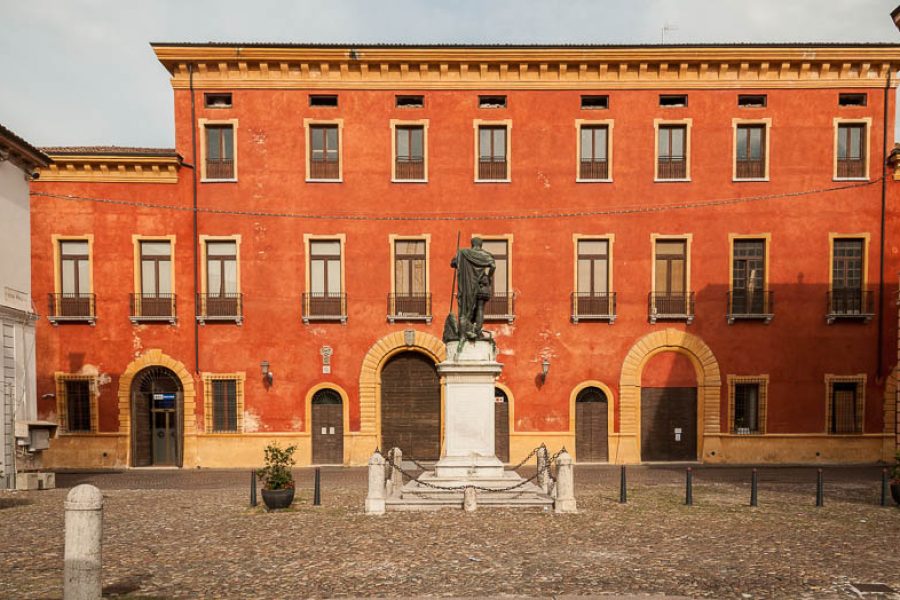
(838, 121)
(423, 123)
(136, 240)
(56, 239)
(307, 123)
(393, 238)
(767, 240)
(476, 124)
(60, 379)
(608, 123)
(735, 123)
(238, 377)
(763, 382)
(201, 125)
(860, 381)
(610, 238)
(832, 236)
(660, 237)
(204, 239)
(688, 122)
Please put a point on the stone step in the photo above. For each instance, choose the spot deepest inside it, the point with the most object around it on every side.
(457, 502)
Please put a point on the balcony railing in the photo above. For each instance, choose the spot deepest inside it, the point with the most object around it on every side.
(220, 307)
(850, 303)
(152, 307)
(671, 306)
(851, 167)
(746, 305)
(500, 307)
(750, 169)
(409, 169)
(594, 306)
(492, 169)
(220, 168)
(671, 167)
(319, 306)
(409, 307)
(72, 308)
(324, 169)
(593, 169)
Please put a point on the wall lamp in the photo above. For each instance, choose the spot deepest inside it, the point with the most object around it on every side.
(545, 368)
(268, 376)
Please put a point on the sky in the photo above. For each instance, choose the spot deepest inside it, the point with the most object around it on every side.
(81, 72)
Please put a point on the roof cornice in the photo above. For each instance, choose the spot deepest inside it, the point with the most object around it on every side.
(113, 167)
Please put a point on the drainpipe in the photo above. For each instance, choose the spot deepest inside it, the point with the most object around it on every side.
(196, 239)
(884, 173)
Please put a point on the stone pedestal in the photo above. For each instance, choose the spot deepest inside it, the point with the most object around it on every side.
(469, 374)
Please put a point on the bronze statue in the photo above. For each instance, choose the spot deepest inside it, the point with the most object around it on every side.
(475, 278)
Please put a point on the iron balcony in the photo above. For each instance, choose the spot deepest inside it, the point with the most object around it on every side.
(72, 308)
(746, 305)
(220, 307)
(594, 306)
(152, 307)
(409, 307)
(850, 304)
(671, 306)
(320, 306)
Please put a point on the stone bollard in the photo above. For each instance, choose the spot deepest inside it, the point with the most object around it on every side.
(543, 469)
(396, 475)
(469, 500)
(84, 525)
(565, 484)
(375, 497)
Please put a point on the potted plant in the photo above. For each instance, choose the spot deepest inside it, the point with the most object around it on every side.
(276, 476)
(895, 480)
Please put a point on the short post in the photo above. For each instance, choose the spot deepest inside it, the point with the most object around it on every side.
(820, 489)
(623, 490)
(396, 475)
(884, 487)
(469, 500)
(253, 501)
(543, 469)
(84, 524)
(375, 497)
(689, 487)
(565, 484)
(754, 489)
(317, 489)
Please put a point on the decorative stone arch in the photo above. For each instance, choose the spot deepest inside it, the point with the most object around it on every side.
(610, 402)
(709, 383)
(510, 399)
(345, 411)
(156, 358)
(374, 361)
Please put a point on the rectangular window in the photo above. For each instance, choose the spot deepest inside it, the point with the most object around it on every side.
(748, 283)
(492, 153)
(751, 152)
(74, 300)
(324, 155)
(491, 101)
(222, 299)
(673, 100)
(594, 102)
(217, 100)
(500, 303)
(852, 99)
(746, 408)
(323, 100)
(224, 405)
(410, 101)
(592, 294)
(752, 100)
(851, 150)
(670, 298)
(672, 152)
(156, 298)
(410, 297)
(594, 149)
(325, 298)
(845, 407)
(847, 296)
(219, 151)
(410, 148)
(78, 405)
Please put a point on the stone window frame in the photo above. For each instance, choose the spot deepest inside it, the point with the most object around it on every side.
(57, 240)
(393, 238)
(735, 124)
(763, 382)
(688, 238)
(609, 124)
(202, 124)
(206, 239)
(688, 123)
(860, 379)
(476, 125)
(60, 379)
(610, 239)
(832, 237)
(308, 123)
(308, 238)
(239, 378)
(838, 121)
(395, 123)
(136, 240)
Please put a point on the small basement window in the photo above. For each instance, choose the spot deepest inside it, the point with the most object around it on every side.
(594, 102)
(410, 101)
(852, 100)
(752, 101)
(491, 101)
(673, 100)
(328, 100)
(217, 100)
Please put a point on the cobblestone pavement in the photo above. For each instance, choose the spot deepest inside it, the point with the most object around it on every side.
(191, 534)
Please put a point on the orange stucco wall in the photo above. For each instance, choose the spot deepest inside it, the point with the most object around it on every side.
(796, 349)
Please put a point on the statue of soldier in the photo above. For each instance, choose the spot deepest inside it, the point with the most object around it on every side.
(475, 276)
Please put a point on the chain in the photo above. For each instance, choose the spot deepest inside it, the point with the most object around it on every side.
(527, 458)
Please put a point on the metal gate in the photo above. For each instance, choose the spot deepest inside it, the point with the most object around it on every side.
(411, 406)
(669, 424)
(501, 425)
(591, 426)
(156, 418)
(7, 440)
(327, 428)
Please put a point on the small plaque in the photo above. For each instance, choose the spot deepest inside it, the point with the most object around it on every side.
(324, 431)
(326, 369)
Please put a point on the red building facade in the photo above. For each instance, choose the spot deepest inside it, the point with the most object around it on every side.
(689, 240)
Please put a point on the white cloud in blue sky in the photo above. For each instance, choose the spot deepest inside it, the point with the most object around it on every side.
(81, 72)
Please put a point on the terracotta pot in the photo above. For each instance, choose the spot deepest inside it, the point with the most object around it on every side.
(276, 499)
(895, 491)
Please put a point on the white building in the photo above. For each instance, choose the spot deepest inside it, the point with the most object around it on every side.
(21, 436)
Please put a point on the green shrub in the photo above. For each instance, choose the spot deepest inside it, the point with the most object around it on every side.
(276, 475)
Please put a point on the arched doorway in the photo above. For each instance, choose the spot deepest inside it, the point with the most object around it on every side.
(669, 408)
(501, 425)
(157, 416)
(591, 425)
(327, 428)
(411, 406)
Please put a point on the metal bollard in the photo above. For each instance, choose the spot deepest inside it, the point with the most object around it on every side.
(754, 489)
(623, 492)
(253, 488)
(689, 488)
(317, 489)
(884, 487)
(565, 484)
(820, 489)
(84, 525)
(375, 497)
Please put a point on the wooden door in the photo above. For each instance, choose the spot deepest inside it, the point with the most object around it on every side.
(140, 429)
(591, 426)
(411, 406)
(501, 425)
(669, 424)
(327, 428)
